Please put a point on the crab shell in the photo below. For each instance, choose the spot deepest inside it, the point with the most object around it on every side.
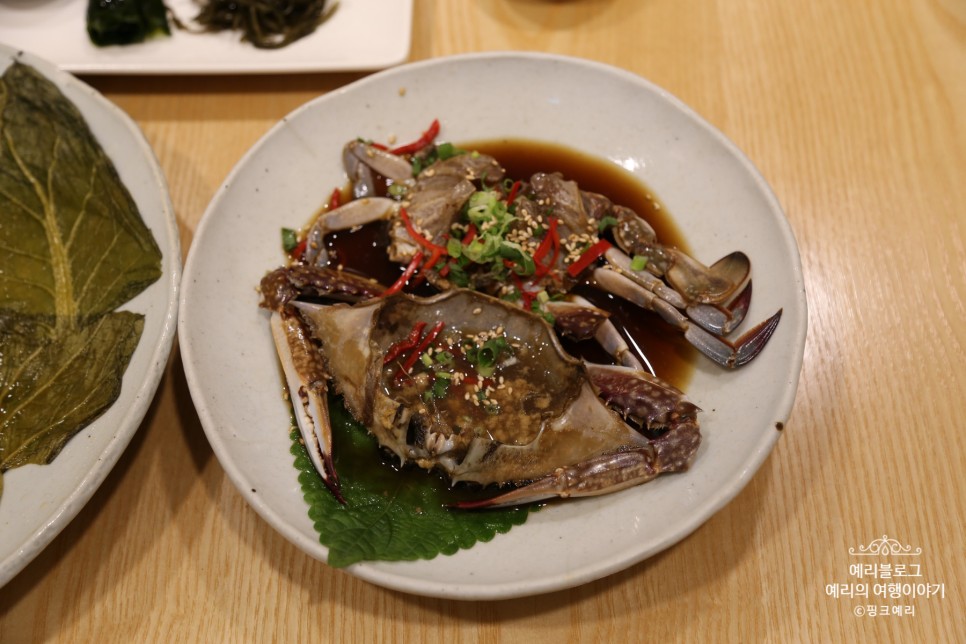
(546, 414)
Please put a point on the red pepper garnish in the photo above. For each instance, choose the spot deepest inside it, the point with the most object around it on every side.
(438, 252)
(514, 189)
(401, 347)
(420, 143)
(414, 356)
(417, 237)
(335, 199)
(299, 250)
(470, 234)
(407, 274)
(588, 257)
(550, 240)
(525, 295)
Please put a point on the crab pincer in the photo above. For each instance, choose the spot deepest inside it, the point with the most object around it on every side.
(306, 378)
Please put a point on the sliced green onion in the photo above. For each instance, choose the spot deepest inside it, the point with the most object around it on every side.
(638, 263)
(523, 262)
(290, 239)
(607, 222)
(454, 247)
(440, 386)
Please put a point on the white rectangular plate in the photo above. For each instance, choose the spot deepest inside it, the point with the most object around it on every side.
(360, 35)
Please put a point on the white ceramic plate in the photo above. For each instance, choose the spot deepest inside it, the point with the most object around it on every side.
(716, 195)
(39, 500)
(361, 35)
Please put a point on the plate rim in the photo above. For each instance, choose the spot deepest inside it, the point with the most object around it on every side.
(373, 571)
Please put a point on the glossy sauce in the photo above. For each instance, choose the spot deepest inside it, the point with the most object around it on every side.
(671, 357)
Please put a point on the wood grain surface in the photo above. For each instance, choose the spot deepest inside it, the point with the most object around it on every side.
(855, 112)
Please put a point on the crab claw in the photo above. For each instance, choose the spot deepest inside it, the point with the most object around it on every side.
(733, 354)
(716, 284)
(721, 320)
(306, 382)
(721, 317)
(725, 353)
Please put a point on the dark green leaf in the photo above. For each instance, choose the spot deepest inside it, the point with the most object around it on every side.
(50, 388)
(74, 248)
(122, 22)
(390, 515)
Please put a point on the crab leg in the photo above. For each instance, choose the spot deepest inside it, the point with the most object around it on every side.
(306, 381)
(601, 475)
(638, 394)
(578, 318)
(362, 162)
(719, 319)
(726, 353)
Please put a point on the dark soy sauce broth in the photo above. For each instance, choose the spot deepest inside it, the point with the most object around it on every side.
(663, 347)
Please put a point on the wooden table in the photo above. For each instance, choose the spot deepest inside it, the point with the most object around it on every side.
(854, 112)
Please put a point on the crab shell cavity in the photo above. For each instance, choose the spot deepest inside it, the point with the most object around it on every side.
(547, 414)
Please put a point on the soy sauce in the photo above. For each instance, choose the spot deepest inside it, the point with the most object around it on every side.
(662, 346)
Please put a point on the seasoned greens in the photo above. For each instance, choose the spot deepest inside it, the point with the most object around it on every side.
(124, 22)
(74, 248)
(266, 25)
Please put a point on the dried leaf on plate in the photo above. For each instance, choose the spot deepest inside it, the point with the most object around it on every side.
(74, 249)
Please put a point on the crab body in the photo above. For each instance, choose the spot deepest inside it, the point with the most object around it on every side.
(526, 415)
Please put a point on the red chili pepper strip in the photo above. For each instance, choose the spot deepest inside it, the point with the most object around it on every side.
(588, 257)
(335, 199)
(420, 143)
(299, 250)
(470, 234)
(401, 347)
(407, 274)
(556, 255)
(550, 240)
(514, 189)
(525, 295)
(433, 258)
(417, 237)
(414, 356)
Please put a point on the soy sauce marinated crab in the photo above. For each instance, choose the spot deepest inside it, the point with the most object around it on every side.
(504, 256)
(480, 389)
(456, 220)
